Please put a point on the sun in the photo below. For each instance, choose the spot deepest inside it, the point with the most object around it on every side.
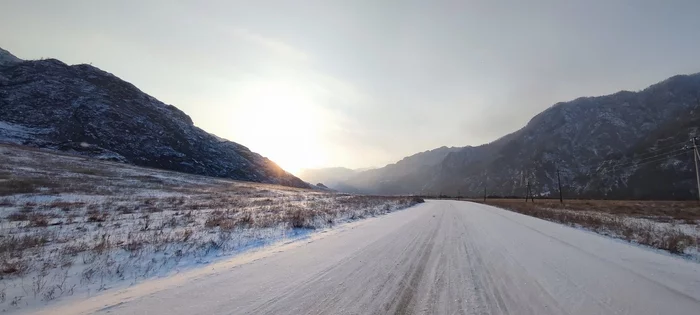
(280, 120)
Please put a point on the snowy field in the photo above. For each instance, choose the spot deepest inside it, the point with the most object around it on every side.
(672, 226)
(74, 226)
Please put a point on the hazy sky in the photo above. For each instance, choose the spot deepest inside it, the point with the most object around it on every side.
(363, 83)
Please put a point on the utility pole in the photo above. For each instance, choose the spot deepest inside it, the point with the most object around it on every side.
(695, 159)
(527, 191)
(532, 194)
(486, 180)
(561, 197)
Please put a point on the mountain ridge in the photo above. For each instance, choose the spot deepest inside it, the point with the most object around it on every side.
(574, 136)
(85, 110)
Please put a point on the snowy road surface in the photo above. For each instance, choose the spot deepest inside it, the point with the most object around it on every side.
(441, 257)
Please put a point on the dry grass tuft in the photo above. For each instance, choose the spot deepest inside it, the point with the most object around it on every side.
(13, 186)
(38, 220)
(655, 227)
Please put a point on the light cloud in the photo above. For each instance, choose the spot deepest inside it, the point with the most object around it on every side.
(373, 81)
(276, 46)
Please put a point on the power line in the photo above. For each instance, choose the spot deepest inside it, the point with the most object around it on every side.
(637, 161)
(672, 145)
(635, 164)
(655, 152)
(622, 164)
(657, 159)
(661, 149)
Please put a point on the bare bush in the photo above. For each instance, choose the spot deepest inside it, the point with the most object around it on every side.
(23, 185)
(39, 220)
(16, 267)
(677, 242)
(616, 223)
(18, 216)
(96, 216)
(21, 243)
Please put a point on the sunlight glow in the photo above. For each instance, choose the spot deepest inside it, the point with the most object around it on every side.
(279, 120)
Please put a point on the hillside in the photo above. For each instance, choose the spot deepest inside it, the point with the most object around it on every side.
(624, 145)
(82, 109)
(404, 176)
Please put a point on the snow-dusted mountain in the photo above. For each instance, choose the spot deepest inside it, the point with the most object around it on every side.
(6, 58)
(405, 176)
(82, 109)
(624, 145)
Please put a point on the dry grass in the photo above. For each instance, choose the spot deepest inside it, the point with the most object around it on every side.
(667, 225)
(13, 186)
(70, 224)
(657, 210)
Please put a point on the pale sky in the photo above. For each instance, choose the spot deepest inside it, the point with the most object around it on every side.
(363, 83)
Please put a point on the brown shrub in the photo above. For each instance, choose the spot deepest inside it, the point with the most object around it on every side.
(74, 249)
(17, 267)
(133, 245)
(88, 171)
(417, 200)
(6, 203)
(39, 220)
(262, 202)
(677, 210)
(219, 220)
(65, 206)
(676, 242)
(186, 235)
(299, 218)
(125, 210)
(670, 239)
(23, 185)
(96, 216)
(20, 243)
(18, 216)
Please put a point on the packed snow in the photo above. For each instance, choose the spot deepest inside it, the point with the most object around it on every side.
(75, 226)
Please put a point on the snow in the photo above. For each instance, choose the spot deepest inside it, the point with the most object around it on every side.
(77, 226)
(443, 257)
(13, 133)
(39, 198)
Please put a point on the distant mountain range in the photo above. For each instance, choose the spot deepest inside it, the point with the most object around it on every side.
(624, 145)
(331, 176)
(84, 110)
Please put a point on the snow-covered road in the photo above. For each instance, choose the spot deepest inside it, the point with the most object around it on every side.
(441, 257)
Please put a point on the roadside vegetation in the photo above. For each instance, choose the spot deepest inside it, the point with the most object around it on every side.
(72, 225)
(672, 226)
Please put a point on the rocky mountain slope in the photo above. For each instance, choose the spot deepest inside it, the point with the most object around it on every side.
(7, 58)
(624, 145)
(84, 110)
(404, 176)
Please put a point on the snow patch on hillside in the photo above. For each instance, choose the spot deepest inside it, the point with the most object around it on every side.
(18, 134)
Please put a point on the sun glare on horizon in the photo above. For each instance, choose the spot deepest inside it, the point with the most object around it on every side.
(279, 121)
